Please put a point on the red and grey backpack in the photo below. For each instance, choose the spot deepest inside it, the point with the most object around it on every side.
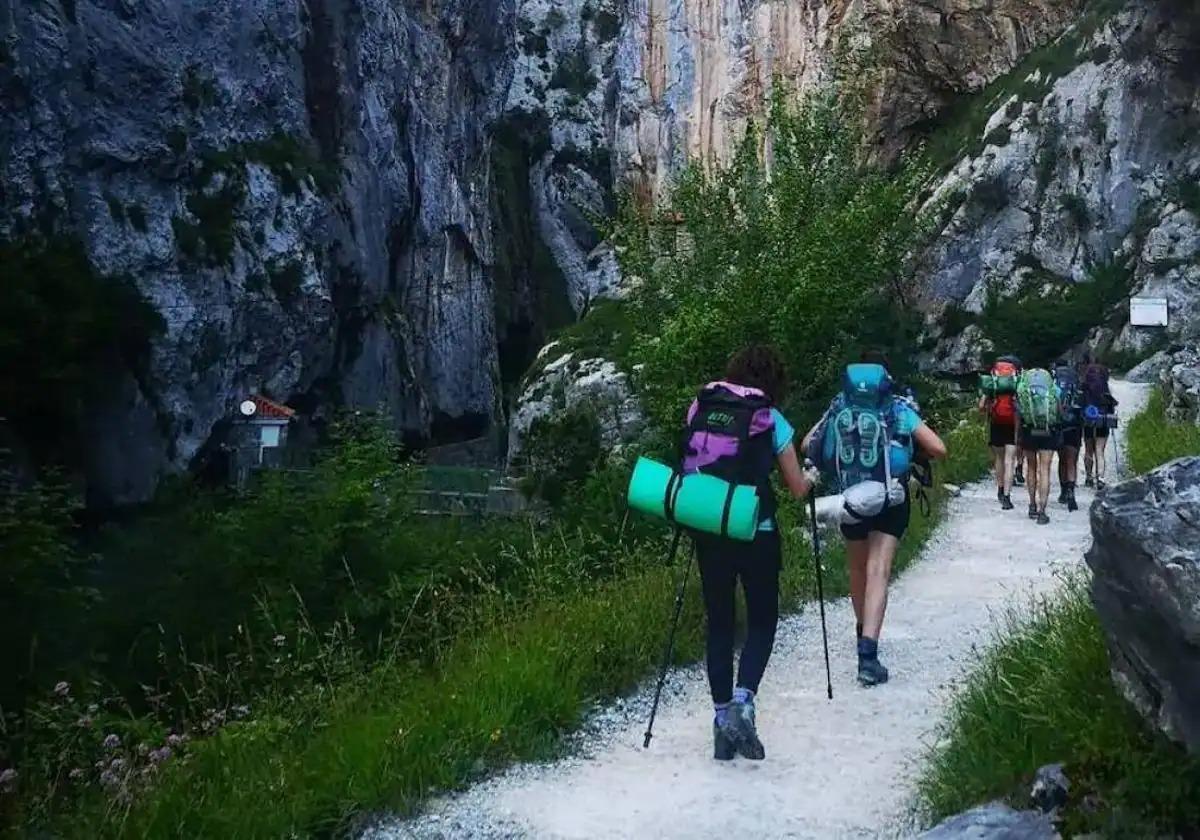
(730, 435)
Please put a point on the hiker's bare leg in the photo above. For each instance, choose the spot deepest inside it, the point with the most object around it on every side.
(1043, 483)
(1010, 464)
(1089, 455)
(999, 467)
(1068, 464)
(1031, 475)
(881, 553)
(856, 561)
(1101, 461)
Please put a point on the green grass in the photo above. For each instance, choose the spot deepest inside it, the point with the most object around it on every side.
(1152, 439)
(391, 736)
(1043, 694)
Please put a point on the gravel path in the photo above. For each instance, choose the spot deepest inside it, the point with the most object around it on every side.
(844, 768)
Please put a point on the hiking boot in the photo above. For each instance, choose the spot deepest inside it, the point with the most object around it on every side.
(1033, 511)
(1072, 505)
(1088, 482)
(1062, 496)
(1101, 483)
(743, 732)
(1019, 476)
(871, 672)
(723, 748)
(1043, 519)
(1000, 494)
(1006, 502)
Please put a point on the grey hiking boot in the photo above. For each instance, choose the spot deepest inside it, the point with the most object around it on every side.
(1043, 519)
(1033, 511)
(744, 733)
(1072, 505)
(1006, 502)
(871, 672)
(723, 748)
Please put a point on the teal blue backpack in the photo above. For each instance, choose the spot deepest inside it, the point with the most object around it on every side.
(858, 440)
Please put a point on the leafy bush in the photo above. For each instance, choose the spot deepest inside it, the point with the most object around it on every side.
(1038, 326)
(1043, 694)
(811, 259)
(1152, 439)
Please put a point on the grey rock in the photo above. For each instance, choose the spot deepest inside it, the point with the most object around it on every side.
(1145, 559)
(1180, 382)
(1082, 172)
(1149, 370)
(1050, 788)
(995, 821)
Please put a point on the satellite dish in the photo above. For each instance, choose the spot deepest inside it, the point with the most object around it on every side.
(248, 408)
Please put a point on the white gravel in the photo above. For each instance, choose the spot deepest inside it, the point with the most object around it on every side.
(844, 768)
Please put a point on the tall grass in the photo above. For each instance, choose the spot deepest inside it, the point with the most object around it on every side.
(1043, 694)
(1152, 439)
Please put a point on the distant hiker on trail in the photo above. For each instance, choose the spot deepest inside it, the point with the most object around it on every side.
(1039, 435)
(866, 441)
(998, 403)
(1071, 438)
(735, 432)
(1098, 407)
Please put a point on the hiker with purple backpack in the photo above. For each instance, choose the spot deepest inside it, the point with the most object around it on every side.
(735, 432)
(1099, 406)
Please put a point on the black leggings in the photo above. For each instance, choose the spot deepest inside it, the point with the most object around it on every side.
(758, 564)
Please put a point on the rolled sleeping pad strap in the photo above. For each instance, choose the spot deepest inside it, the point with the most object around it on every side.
(697, 501)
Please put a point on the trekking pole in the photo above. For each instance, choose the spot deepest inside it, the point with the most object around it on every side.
(666, 663)
(812, 515)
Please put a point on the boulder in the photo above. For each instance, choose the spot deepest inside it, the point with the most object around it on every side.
(1050, 788)
(995, 821)
(1149, 370)
(1180, 380)
(569, 383)
(1145, 557)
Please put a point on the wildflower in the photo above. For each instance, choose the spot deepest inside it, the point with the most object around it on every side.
(160, 755)
(241, 711)
(84, 722)
(279, 639)
(116, 764)
(62, 689)
(174, 740)
(8, 780)
(109, 779)
(111, 741)
(143, 748)
(495, 735)
(76, 774)
(92, 708)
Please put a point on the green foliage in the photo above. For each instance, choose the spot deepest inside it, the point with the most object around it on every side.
(115, 208)
(177, 140)
(1038, 325)
(1152, 439)
(1043, 694)
(286, 279)
(574, 73)
(1186, 193)
(1077, 210)
(811, 259)
(607, 25)
(998, 136)
(991, 195)
(65, 332)
(199, 90)
(561, 451)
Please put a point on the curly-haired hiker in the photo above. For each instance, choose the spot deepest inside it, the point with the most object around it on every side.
(867, 439)
(735, 432)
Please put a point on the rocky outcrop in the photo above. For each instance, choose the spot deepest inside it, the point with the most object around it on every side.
(1180, 380)
(1091, 158)
(1146, 587)
(995, 821)
(300, 188)
(569, 383)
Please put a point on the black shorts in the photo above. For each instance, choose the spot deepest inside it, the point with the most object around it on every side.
(1093, 432)
(893, 520)
(1002, 434)
(1040, 443)
(1072, 437)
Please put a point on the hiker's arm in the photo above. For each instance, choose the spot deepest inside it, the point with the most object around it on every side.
(932, 445)
(808, 437)
(793, 475)
(984, 404)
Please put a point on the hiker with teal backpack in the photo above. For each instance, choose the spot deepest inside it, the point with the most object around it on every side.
(1039, 435)
(735, 432)
(1071, 437)
(866, 443)
(1099, 407)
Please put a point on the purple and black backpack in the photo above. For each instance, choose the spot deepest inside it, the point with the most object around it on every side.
(730, 435)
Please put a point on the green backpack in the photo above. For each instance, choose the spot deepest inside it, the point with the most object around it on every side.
(1037, 401)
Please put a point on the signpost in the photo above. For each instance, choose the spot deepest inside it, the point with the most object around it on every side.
(1148, 311)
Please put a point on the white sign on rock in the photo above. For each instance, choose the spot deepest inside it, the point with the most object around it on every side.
(1148, 311)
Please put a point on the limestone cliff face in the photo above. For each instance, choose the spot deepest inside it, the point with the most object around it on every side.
(1093, 160)
(386, 205)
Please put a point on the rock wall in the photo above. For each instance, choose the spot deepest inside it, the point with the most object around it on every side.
(300, 188)
(387, 205)
(1146, 563)
(1091, 157)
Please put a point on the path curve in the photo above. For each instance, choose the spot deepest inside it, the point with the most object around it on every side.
(845, 768)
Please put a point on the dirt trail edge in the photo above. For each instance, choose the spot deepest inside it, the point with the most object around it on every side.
(844, 768)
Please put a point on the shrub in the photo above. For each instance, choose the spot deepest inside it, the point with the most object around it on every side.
(811, 259)
(1152, 439)
(1043, 694)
